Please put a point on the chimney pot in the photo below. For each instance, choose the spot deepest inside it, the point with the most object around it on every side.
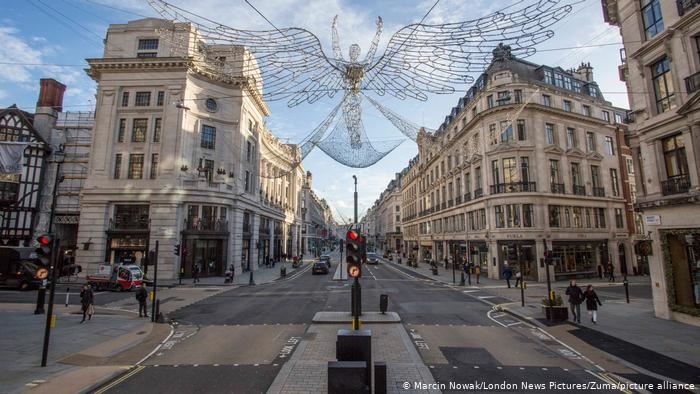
(51, 94)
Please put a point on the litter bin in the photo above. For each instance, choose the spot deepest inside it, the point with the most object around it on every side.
(283, 271)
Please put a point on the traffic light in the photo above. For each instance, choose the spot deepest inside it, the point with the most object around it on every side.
(176, 249)
(548, 257)
(43, 252)
(353, 241)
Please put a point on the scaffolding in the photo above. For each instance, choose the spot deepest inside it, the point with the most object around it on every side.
(76, 128)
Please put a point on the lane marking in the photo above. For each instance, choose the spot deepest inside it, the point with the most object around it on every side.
(123, 378)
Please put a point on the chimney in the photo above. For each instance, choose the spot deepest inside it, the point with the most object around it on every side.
(51, 94)
(585, 71)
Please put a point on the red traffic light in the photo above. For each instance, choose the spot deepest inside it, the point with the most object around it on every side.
(352, 235)
(44, 240)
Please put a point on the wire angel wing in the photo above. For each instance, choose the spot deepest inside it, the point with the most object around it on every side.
(422, 58)
(290, 61)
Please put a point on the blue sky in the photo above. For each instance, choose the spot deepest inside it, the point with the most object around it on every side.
(51, 38)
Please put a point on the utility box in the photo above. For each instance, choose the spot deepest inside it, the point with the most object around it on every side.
(355, 345)
(347, 377)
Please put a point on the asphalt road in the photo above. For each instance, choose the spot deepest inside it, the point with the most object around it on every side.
(237, 341)
(72, 289)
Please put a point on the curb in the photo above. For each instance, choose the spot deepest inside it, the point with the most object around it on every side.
(114, 375)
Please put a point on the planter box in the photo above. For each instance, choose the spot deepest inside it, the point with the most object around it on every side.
(556, 313)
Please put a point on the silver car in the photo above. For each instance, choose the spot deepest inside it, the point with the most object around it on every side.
(372, 258)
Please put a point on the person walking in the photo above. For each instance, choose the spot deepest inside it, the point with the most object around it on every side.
(477, 272)
(507, 273)
(611, 273)
(195, 272)
(87, 297)
(575, 299)
(468, 272)
(518, 277)
(142, 298)
(592, 303)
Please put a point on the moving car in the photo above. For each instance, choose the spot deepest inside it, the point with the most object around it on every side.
(19, 270)
(320, 267)
(121, 278)
(372, 258)
(327, 259)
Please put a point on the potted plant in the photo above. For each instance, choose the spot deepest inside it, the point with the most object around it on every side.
(554, 309)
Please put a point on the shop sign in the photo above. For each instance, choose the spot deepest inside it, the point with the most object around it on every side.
(644, 248)
(621, 235)
(652, 220)
(511, 236)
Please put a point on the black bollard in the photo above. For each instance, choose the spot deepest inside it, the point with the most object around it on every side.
(461, 281)
(251, 282)
(627, 289)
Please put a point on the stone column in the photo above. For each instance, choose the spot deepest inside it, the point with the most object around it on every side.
(542, 270)
(272, 251)
(255, 238)
(236, 240)
(295, 238)
(494, 270)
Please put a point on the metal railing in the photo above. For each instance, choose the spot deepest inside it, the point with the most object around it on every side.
(206, 224)
(558, 188)
(139, 224)
(458, 200)
(9, 192)
(443, 205)
(478, 193)
(467, 197)
(515, 187)
(692, 83)
(579, 190)
(685, 6)
(450, 203)
(599, 191)
(675, 185)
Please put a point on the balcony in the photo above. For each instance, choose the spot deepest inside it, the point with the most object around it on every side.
(478, 193)
(467, 197)
(558, 188)
(206, 224)
(458, 200)
(599, 191)
(692, 83)
(515, 187)
(579, 190)
(675, 185)
(450, 203)
(443, 205)
(685, 6)
(132, 225)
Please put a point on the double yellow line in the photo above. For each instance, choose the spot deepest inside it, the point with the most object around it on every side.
(121, 379)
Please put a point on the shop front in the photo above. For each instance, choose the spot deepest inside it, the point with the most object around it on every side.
(579, 259)
(207, 254)
(478, 254)
(128, 235)
(524, 259)
(681, 259)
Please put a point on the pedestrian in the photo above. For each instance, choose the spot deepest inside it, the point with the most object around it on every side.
(477, 272)
(468, 271)
(611, 273)
(195, 272)
(575, 299)
(592, 303)
(446, 263)
(518, 277)
(600, 271)
(142, 298)
(87, 297)
(507, 273)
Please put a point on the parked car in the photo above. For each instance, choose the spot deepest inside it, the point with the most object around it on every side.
(372, 258)
(320, 267)
(327, 259)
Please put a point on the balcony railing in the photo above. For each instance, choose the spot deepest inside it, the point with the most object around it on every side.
(685, 6)
(558, 188)
(599, 191)
(458, 200)
(675, 185)
(467, 197)
(579, 190)
(206, 224)
(478, 193)
(515, 187)
(450, 203)
(443, 205)
(692, 83)
(139, 224)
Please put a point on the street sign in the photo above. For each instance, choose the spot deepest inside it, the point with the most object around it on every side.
(652, 220)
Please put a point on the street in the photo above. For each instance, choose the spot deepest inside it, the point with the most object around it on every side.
(238, 340)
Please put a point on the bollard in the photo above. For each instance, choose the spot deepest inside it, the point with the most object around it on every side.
(461, 281)
(67, 295)
(380, 377)
(251, 282)
(283, 271)
(627, 289)
(383, 303)
(157, 309)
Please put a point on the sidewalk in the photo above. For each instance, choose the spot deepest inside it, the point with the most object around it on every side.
(627, 331)
(260, 276)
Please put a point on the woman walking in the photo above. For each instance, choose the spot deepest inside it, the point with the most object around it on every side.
(592, 303)
(86, 301)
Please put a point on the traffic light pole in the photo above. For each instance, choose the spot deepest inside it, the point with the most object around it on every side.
(155, 284)
(547, 263)
(522, 275)
(41, 294)
(52, 293)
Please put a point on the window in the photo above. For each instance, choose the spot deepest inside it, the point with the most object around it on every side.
(247, 181)
(138, 132)
(615, 183)
(518, 96)
(525, 170)
(528, 216)
(571, 140)
(576, 174)
(160, 99)
(477, 177)
(588, 217)
(510, 170)
(554, 171)
(554, 216)
(674, 156)
(211, 105)
(578, 217)
(590, 141)
(619, 222)
(506, 132)
(586, 110)
(125, 99)
(147, 48)
(500, 221)
(595, 176)
(495, 172)
(558, 80)
(157, 125)
(154, 165)
(609, 146)
(606, 116)
(548, 77)
(663, 85)
(618, 117)
(143, 99)
(546, 100)
(652, 18)
(630, 167)
(135, 166)
(549, 134)
(208, 137)
(567, 83)
(118, 166)
(209, 169)
(600, 218)
(513, 215)
(122, 130)
(567, 105)
(489, 101)
(249, 151)
(521, 130)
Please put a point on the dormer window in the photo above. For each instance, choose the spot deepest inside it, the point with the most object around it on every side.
(147, 48)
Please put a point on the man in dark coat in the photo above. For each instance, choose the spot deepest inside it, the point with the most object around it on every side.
(575, 299)
(87, 298)
(507, 273)
(592, 303)
(142, 297)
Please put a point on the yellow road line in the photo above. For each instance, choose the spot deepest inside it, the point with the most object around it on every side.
(121, 379)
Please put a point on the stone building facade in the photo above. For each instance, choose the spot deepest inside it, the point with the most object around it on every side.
(661, 68)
